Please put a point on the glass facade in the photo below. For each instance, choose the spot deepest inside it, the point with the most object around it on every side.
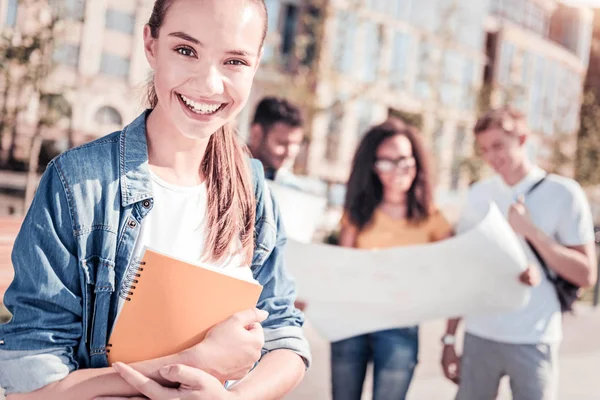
(437, 53)
(11, 13)
(549, 90)
(400, 55)
(67, 54)
(507, 51)
(344, 42)
(69, 9)
(114, 65)
(371, 51)
(525, 13)
(120, 21)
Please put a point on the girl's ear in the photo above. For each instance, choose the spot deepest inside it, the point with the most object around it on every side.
(150, 46)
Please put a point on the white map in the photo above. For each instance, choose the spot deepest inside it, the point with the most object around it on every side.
(351, 292)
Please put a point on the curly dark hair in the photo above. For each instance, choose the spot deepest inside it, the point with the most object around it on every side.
(364, 189)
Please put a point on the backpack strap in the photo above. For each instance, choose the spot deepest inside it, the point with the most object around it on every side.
(531, 246)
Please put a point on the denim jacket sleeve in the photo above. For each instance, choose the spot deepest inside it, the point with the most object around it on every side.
(37, 345)
(283, 327)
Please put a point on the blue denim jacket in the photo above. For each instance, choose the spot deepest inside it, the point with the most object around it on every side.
(75, 245)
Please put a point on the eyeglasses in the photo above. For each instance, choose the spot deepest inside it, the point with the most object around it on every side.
(388, 165)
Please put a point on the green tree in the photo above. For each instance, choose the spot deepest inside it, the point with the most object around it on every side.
(27, 63)
(587, 162)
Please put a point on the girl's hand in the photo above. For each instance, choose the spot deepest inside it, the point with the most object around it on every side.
(195, 384)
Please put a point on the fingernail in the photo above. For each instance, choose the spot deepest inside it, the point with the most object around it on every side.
(263, 313)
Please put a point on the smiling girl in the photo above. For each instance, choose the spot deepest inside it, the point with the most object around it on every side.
(175, 179)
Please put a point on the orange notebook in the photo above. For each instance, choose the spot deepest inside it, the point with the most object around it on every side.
(172, 304)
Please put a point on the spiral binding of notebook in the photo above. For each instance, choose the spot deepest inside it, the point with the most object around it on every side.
(130, 280)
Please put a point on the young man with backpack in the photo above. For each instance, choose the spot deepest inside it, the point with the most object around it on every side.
(552, 216)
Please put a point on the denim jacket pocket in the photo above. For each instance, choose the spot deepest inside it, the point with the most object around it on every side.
(98, 276)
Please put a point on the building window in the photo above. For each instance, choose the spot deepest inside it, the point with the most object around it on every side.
(537, 95)
(400, 51)
(514, 10)
(344, 41)
(289, 29)
(11, 13)
(67, 54)
(107, 115)
(428, 62)
(536, 19)
(468, 90)
(372, 51)
(69, 9)
(525, 13)
(120, 21)
(506, 60)
(114, 65)
(403, 9)
(452, 77)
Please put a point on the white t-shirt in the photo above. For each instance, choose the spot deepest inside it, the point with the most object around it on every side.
(176, 226)
(560, 209)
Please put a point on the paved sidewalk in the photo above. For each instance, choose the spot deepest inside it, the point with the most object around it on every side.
(579, 364)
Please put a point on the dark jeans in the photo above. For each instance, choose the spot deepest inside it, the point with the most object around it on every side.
(394, 355)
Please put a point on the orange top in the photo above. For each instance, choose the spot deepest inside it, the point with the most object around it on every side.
(384, 231)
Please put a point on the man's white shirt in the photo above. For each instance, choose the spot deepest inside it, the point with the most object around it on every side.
(560, 209)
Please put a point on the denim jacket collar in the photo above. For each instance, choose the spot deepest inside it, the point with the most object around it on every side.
(133, 156)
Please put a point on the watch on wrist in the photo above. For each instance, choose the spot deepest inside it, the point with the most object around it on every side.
(449, 340)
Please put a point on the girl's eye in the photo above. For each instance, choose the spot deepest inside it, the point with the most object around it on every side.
(236, 62)
(185, 51)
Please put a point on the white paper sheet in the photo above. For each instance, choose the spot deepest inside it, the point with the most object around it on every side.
(300, 211)
(351, 292)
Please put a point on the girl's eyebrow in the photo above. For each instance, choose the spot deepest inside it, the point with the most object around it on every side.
(191, 39)
(186, 37)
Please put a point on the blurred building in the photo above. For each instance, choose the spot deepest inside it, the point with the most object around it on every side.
(100, 65)
(539, 54)
(434, 62)
(438, 63)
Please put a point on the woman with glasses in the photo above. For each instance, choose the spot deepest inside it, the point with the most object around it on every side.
(388, 203)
